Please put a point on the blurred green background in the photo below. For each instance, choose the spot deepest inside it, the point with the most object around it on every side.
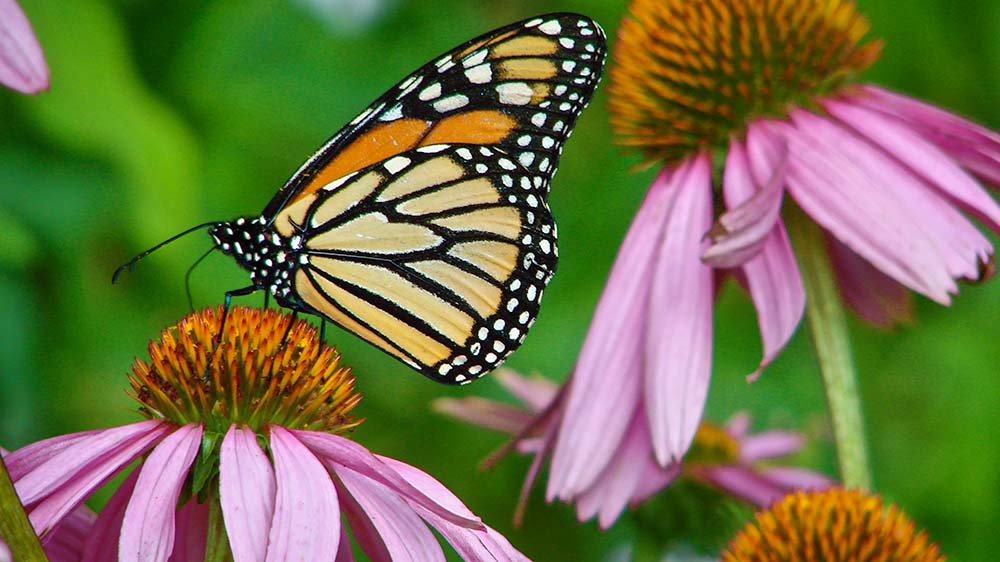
(161, 117)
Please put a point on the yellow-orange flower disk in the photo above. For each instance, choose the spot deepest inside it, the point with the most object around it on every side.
(836, 525)
(689, 73)
(266, 368)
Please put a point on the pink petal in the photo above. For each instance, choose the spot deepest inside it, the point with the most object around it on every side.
(385, 526)
(334, 450)
(22, 64)
(485, 413)
(28, 458)
(923, 158)
(753, 209)
(870, 293)
(617, 485)
(536, 392)
(5, 555)
(738, 425)
(306, 524)
(600, 402)
(65, 543)
(474, 544)
(790, 478)
(654, 479)
(961, 247)
(247, 489)
(66, 479)
(678, 350)
(102, 546)
(772, 276)
(839, 195)
(769, 445)
(929, 118)
(742, 483)
(192, 533)
(148, 528)
(344, 551)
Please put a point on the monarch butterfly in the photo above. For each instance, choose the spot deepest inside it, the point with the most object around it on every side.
(422, 226)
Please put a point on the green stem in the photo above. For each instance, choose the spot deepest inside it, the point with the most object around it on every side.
(828, 328)
(15, 529)
(217, 546)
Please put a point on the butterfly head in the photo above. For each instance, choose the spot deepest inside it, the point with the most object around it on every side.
(270, 258)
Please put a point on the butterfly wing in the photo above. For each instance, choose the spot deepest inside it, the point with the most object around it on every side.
(438, 256)
(519, 88)
(425, 220)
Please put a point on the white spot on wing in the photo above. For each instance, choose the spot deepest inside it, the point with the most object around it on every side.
(430, 92)
(394, 165)
(475, 58)
(550, 27)
(451, 103)
(480, 74)
(514, 93)
(396, 112)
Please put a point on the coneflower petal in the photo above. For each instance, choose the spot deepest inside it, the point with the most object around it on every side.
(678, 340)
(149, 525)
(247, 492)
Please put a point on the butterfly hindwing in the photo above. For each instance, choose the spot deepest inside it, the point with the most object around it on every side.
(519, 88)
(440, 259)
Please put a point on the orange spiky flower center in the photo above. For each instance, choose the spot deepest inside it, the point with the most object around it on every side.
(266, 368)
(712, 445)
(835, 525)
(688, 74)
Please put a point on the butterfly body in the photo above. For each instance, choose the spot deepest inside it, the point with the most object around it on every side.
(423, 225)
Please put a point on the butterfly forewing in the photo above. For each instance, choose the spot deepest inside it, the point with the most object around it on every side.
(519, 88)
(422, 226)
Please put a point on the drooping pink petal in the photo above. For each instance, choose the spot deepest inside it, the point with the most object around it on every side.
(753, 210)
(772, 276)
(5, 555)
(66, 479)
(31, 456)
(334, 450)
(929, 118)
(385, 526)
(741, 482)
(790, 478)
(654, 479)
(247, 488)
(738, 425)
(617, 485)
(22, 64)
(474, 545)
(769, 445)
(150, 518)
(929, 162)
(536, 392)
(65, 542)
(842, 198)
(345, 553)
(678, 338)
(192, 533)
(102, 546)
(70, 458)
(960, 246)
(486, 413)
(604, 388)
(871, 294)
(306, 524)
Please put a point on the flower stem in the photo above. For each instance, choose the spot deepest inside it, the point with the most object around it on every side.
(828, 328)
(15, 529)
(217, 543)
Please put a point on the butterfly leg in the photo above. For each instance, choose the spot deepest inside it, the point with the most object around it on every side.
(222, 325)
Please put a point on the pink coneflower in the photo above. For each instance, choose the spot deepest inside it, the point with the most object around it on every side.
(746, 102)
(22, 64)
(729, 458)
(245, 430)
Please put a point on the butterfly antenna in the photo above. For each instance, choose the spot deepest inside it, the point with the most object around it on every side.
(187, 277)
(131, 263)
